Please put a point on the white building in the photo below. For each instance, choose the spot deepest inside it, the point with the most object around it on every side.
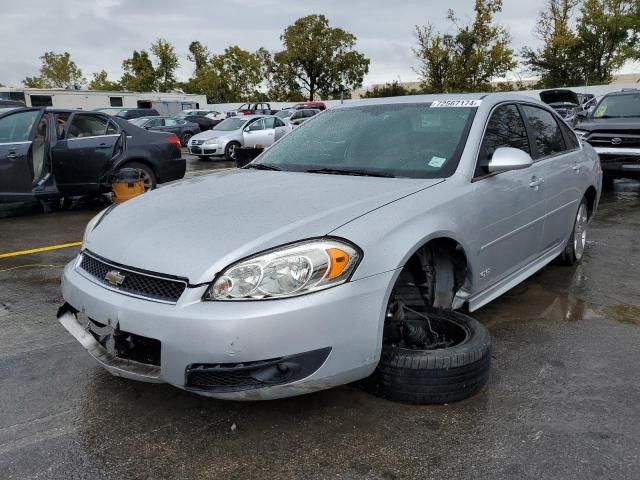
(165, 103)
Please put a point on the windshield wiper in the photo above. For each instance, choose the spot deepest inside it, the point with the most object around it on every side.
(340, 171)
(262, 166)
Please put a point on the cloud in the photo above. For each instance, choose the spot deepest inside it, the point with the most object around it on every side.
(99, 34)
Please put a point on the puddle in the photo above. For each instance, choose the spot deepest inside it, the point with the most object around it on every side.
(629, 314)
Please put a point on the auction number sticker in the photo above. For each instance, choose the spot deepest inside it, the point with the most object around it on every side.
(455, 103)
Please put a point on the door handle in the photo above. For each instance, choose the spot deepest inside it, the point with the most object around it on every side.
(536, 182)
(576, 168)
(12, 155)
(103, 145)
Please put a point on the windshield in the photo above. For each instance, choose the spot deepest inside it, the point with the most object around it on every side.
(139, 122)
(618, 106)
(230, 124)
(400, 140)
(284, 113)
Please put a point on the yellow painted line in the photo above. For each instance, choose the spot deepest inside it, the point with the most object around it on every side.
(41, 249)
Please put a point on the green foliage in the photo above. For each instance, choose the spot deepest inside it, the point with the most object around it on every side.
(393, 89)
(167, 64)
(607, 33)
(557, 62)
(469, 59)
(57, 71)
(604, 37)
(319, 59)
(139, 74)
(101, 81)
(233, 76)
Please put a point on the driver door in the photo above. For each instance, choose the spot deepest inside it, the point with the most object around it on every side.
(17, 133)
(255, 134)
(506, 210)
(85, 153)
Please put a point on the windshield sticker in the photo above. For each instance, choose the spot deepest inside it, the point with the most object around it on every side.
(437, 162)
(455, 103)
(600, 111)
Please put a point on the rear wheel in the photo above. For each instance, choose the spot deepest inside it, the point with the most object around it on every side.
(148, 176)
(574, 251)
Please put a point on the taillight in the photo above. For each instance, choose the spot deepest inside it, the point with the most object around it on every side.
(174, 140)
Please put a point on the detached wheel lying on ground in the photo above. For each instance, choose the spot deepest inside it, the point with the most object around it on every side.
(432, 358)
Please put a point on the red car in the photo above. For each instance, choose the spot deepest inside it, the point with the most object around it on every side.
(251, 109)
(317, 105)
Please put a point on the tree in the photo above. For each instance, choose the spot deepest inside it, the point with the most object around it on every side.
(241, 72)
(557, 61)
(101, 81)
(607, 36)
(139, 74)
(233, 76)
(198, 54)
(167, 64)
(393, 89)
(57, 71)
(469, 59)
(278, 79)
(319, 58)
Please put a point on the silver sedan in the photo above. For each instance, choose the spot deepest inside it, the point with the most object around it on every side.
(236, 132)
(294, 277)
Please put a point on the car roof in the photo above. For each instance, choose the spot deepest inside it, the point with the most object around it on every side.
(633, 91)
(490, 97)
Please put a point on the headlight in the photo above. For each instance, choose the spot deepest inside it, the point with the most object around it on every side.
(580, 133)
(93, 223)
(211, 141)
(287, 271)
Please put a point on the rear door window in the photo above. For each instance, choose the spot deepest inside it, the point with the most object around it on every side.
(569, 136)
(547, 136)
(17, 127)
(505, 129)
(83, 125)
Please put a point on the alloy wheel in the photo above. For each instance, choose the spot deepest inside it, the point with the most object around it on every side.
(580, 231)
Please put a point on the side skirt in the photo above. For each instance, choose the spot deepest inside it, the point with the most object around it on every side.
(494, 291)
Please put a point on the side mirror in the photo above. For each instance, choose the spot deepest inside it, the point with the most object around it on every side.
(506, 158)
(147, 127)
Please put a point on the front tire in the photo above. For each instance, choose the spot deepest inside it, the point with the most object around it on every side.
(574, 251)
(440, 375)
(186, 136)
(230, 151)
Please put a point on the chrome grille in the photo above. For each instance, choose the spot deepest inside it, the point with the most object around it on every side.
(134, 282)
(197, 142)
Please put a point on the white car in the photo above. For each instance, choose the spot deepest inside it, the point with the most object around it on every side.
(234, 132)
(212, 114)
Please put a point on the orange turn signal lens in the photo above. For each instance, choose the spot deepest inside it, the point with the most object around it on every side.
(338, 261)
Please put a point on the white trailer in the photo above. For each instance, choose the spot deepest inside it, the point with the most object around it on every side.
(166, 103)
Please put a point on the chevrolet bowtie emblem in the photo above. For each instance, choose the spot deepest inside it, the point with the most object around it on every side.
(114, 277)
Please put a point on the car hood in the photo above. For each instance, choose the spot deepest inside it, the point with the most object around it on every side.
(207, 134)
(552, 97)
(612, 125)
(196, 227)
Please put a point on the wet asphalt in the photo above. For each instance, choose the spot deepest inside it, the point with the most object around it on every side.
(563, 400)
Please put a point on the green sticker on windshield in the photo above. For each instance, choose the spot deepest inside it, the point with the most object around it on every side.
(437, 162)
(600, 111)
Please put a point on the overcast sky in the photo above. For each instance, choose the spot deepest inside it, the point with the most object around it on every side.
(99, 34)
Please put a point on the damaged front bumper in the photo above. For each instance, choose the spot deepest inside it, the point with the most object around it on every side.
(233, 350)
